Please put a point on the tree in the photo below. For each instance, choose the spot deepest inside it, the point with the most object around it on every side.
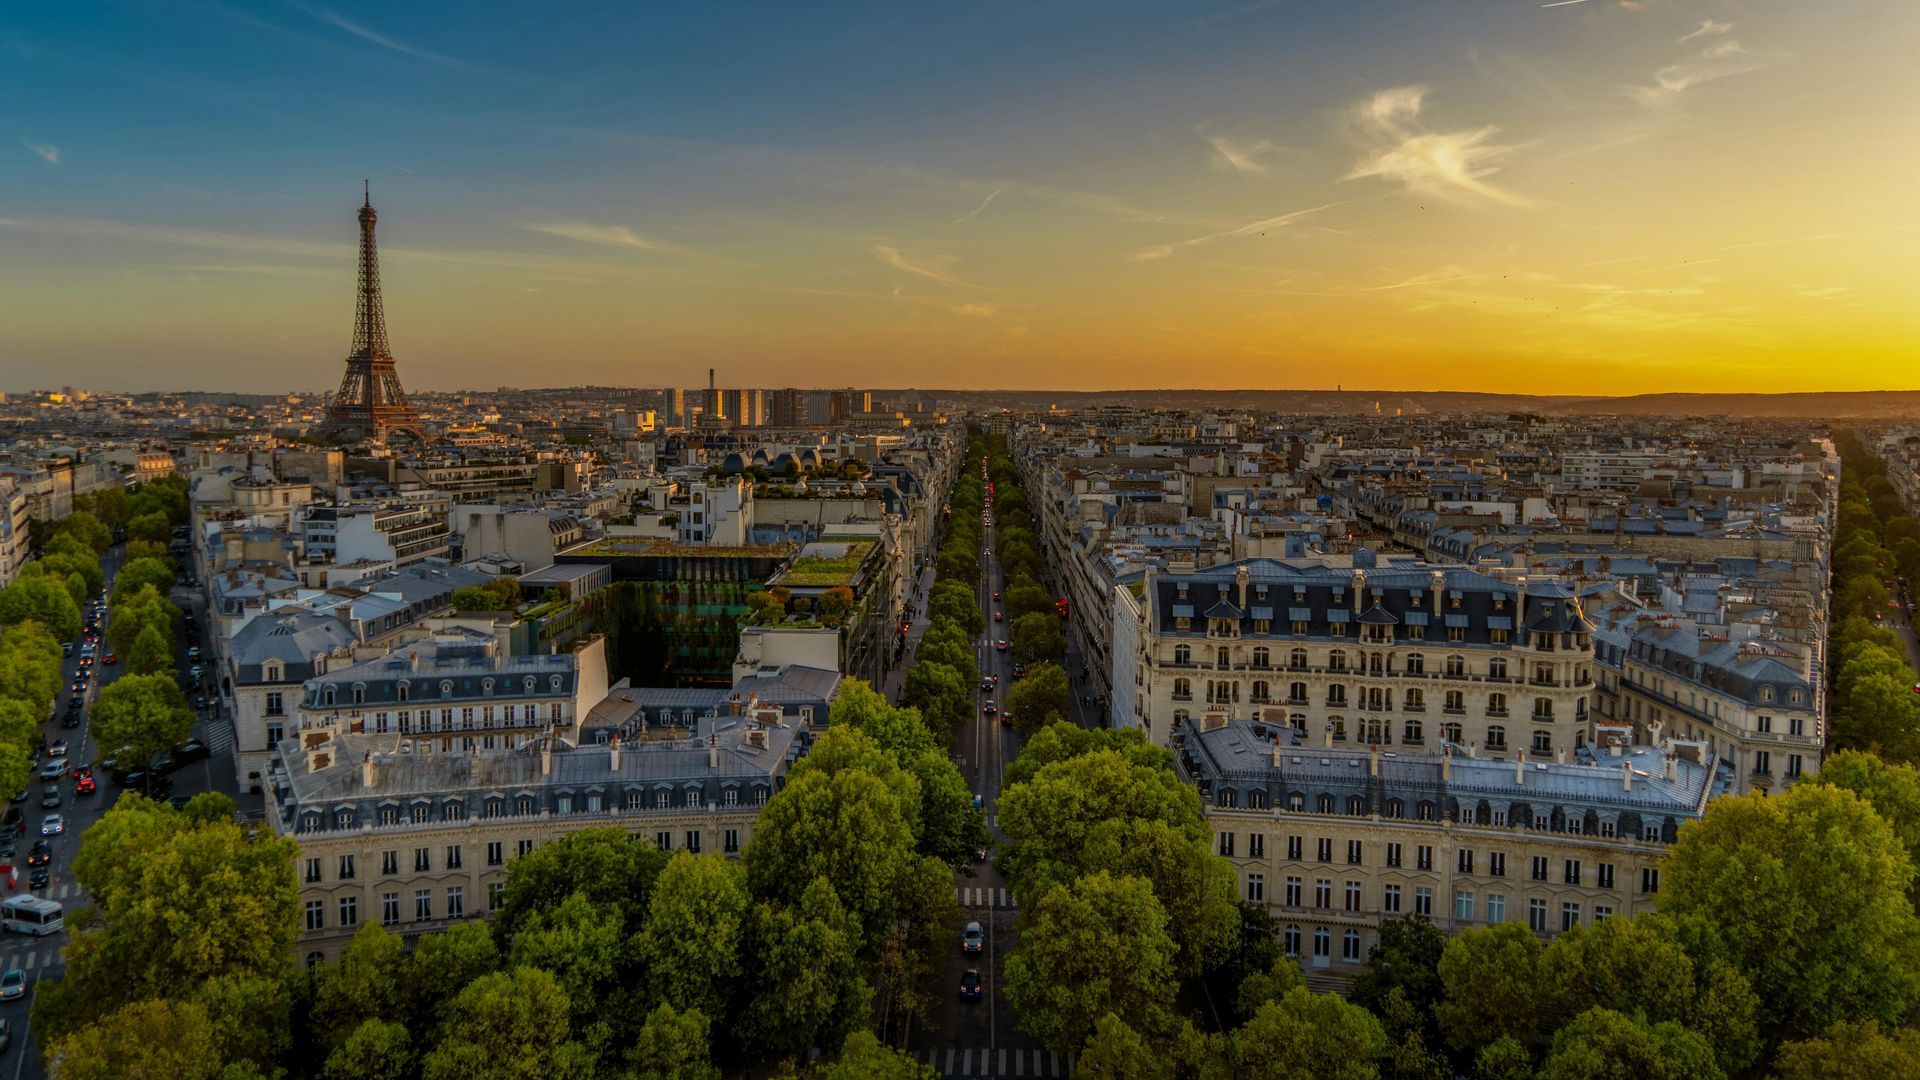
(133, 615)
(1601, 1044)
(509, 1025)
(1491, 979)
(1261, 988)
(151, 654)
(476, 598)
(582, 945)
(376, 1050)
(765, 608)
(1117, 1052)
(85, 527)
(1082, 805)
(1309, 1036)
(1850, 1051)
(696, 933)
(444, 964)
(65, 564)
(835, 603)
(1807, 895)
(174, 903)
(1029, 599)
(1097, 945)
(147, 549)
(152, 526)
(43, 599)
(1892, 790)
(139, 574)
(672, 1045)
(809, 990)
(1037, 637)
(368, 983)
(155, 1039)
(863, 1058)
(1060, 742)
(143, 713)
(1407, 959)
(941, 694)
(251, 1016)
(1040, 698)
(608, 866)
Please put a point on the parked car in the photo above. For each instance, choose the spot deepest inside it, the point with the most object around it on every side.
(111, 659)
(13, 822)
(972, 939)
(66, 648)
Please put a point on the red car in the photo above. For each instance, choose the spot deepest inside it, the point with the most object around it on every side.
(83, 785)
(1001, 645)
(999, 617)
(110, 659)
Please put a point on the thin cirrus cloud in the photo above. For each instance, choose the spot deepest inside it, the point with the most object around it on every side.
(935, 270)
(618, 236)
(1449, 165)
(1251, 228)
(340, 22)
(1241, 157)
(1716, 61)
(47, 151)
(1708, 28)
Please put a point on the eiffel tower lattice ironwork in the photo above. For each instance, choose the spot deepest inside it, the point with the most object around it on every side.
(370, 405)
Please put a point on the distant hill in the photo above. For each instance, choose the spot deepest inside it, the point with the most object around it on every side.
(1868, 404)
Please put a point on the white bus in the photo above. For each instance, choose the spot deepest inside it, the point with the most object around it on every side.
(31, 915)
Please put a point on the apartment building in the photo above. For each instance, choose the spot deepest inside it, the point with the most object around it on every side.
(15, 522)
(1333, 840)
(420, 842)
(392, 533)
(1406, 655)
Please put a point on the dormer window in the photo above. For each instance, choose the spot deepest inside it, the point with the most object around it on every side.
(326, 696)
(1766, 693)
(359, 693)
(553, 683)
(446, 687)
(527, 683)
(273, 671)
(403, 689)
(487, 685)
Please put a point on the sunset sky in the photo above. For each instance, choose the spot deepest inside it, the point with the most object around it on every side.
(1596, 196)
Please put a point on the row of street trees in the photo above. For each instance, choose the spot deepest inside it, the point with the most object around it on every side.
(1876, 543)
(607, 957)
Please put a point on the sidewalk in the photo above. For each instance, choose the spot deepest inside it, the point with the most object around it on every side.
(917, 627)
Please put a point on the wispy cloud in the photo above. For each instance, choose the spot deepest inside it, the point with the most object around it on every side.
(618, 236)
(1709, 28)
(340, 22)
(933, 270)
(46, 150)
(975, 212)
(1716, 61)
(1241, 157)
(1563, 3)
(1251, 228)
(976, 311)
(1443, 164)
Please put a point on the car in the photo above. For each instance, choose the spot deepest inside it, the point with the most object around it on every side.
(87, 649)
(50, 798)
(40, 854)
(1001, 644)
(13, 985)
(86, 662)
(110, 658)
(986, 551)
(999, 616)
(84, 785)
(191, 750)
(1019, 670)
(195, 672)
(13, 822)
(193, 652)
(972, 939)
(83, 771)
(39, 877)
(58, 749)
(52, 825)
(986, 686)
(1007, 718)
(970, 985)
(66, 648)
(75, 703)
(989, 708)
(53, 769)
(71, 720)
(996, 596)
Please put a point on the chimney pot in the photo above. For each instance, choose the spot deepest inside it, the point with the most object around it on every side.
(1520, 766)
(1626, 776)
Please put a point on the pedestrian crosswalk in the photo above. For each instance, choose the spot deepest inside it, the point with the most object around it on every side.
(32, 959)
(980, 896)
(998, 1063)
(217, 733)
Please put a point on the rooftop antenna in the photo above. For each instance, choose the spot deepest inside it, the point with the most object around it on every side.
(366, 190)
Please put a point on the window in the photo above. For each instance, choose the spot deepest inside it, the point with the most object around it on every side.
(1183, 689)
(1323, 849)
(1297, 659)
(1455, 701)
(1226, 844)
(276, 706)
(1463, 905)
(390, 909)
(422, 859)
(1393, 855)
(1569, 916)
(1496, 908)
(1542, 738)
(1539, 868)
(730, 841)
(1416, 664)
(1350, 945)
(313, 870)
(693, 841)
(496, 895)
(1182, 655)
(1570, 871)
(1256, 845)
(1602, 912)
(1390, 899)
(663, 841)
(1353, 896)
(1290, 940)
(496, 853)
(1793, 766)
(274, 734)
(456, 903)
(423, 905)
(1456, 665)
(1256, 888)
(1424, 854)
(1650, 879)
(346, 868)
(1293, 891)
(525, 846)
(1293, 847)
(349, 912)
(1423, 901)
(1497, 863)
(389, 862)
(316, 914)
(1762, 763)
(1464, 860)
(1322, 893)
(1355, 853)
(1537, 916)
(453, 857)
(1322, 943)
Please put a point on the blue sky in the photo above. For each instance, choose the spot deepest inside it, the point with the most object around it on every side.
(976, 194)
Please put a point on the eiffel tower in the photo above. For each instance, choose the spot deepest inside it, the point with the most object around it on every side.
(370, 406)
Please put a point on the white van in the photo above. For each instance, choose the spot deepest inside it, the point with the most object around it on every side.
(31, 915)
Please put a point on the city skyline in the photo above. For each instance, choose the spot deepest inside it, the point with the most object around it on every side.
(1587, 198)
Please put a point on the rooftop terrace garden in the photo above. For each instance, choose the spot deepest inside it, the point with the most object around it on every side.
(818, 571)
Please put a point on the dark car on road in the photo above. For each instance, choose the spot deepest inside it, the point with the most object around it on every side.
(970, 985)
(40, 854)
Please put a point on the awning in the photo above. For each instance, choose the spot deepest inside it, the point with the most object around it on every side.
(1499, 622)
(1456, 620)
(1183, 611)
(1263, 613)
(1337, 615)
(1416, 618)
(1300, 614)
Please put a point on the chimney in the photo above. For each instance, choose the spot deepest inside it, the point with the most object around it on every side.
(1276, 753)
(1373, 759)
(1359, 587)
(613, 753)
(366, 771)
(546, 755)
(1673, 766)
(1520, 766)
(1439, 586)
(1520, 606)
(1240, 577)
(1446, 762)
(1614, 747)
(1326, 736)
(1560, 755)
(713, 749)
(1626, 776)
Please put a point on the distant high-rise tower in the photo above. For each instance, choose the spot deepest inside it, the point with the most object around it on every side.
(370, 405)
